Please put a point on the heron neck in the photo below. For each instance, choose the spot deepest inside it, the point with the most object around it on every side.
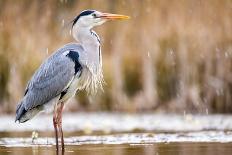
(91, 43)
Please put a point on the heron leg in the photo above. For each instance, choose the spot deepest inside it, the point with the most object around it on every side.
(55, 127)
(59, 117)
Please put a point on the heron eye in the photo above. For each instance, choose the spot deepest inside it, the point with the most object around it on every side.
(94, 15)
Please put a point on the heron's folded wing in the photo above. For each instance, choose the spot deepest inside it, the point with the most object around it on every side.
(52, 77)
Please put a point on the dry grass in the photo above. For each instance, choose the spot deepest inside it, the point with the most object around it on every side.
(171, 56)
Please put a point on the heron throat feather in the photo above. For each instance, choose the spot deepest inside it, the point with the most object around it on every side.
(91, 58)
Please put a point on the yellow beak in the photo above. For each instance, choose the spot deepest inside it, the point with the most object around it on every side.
(113, 16)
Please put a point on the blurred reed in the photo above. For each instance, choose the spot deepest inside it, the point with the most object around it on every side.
(172, 56)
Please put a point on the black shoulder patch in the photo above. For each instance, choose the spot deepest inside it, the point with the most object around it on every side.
(83, 13)
(74, 56)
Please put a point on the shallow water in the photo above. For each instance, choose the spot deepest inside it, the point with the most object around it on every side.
(191, 143)
(127, 149)
(121, 134)
(121, 122)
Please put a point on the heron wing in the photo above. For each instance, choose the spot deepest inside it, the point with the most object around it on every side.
(51, 78)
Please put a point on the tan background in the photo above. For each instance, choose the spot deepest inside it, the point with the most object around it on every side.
(171, 56)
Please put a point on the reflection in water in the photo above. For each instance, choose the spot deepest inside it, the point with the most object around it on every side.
(128, 149)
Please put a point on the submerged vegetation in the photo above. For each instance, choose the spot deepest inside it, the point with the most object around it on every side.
(171, 56)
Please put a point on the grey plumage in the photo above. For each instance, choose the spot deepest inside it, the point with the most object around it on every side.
(51, 78)
(73, 67)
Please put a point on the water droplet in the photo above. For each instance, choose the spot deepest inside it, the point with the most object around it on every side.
(148, 54)
(63, 22)
(47, 51)
(219, 92)
(205, 100)
(226, 55)
(207, 111)
(171, 52)
(12, 70)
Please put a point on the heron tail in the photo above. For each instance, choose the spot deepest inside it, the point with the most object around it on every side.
(20, 111)
(23, 114)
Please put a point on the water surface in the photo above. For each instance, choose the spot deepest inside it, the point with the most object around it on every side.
(127, 149)
(190, 143)
(121, 134)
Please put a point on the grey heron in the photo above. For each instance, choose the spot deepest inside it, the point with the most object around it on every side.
(73, 67)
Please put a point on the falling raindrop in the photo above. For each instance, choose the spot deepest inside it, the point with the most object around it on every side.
(217, 52)
(135, 15)
(226, 54)
(148, 54)
(207, 111)
(217, 92)
(47, 51)
(12, 70)
(63, 23)
(111, 42)
(70, 32)
(171, 51)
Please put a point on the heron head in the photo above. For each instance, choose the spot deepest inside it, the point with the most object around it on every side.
(91, 18)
